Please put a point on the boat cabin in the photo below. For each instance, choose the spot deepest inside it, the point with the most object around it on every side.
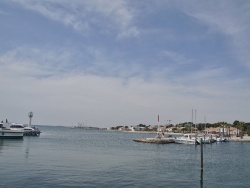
(19, 126)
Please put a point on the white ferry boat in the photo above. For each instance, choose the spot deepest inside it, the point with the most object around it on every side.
(28, 131)
(21, 127)
(7, 132)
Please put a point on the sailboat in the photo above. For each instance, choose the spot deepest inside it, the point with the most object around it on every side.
(188, 138)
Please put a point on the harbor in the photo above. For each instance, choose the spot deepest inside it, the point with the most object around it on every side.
(173, 140)
(61, 155)
(155, 140)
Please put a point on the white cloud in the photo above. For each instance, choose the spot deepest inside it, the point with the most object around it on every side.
(109, 85)
(111, 15)
(229, 18)
(68, 98)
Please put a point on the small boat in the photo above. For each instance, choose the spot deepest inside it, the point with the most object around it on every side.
(187, 139)
(7, 132)
(206, 139)
(221, 139)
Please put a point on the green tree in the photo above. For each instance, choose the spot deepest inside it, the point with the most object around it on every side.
(184, 130)
(247, 125)
(235, 123)
(240, 126)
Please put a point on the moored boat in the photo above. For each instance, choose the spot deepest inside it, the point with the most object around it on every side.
(12, 133)
(205, 139)
(187, 139)
(28, 131)
(222, 139)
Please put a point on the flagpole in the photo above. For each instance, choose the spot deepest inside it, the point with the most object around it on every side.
(158, 123)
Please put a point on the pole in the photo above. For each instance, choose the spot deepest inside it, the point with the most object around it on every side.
(201, 154)
(205, 123)
(158, 133)
(201, 176)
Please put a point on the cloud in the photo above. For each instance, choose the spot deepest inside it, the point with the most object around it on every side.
(84, 16)
(226, 19)
(110, 82)
(106, 100)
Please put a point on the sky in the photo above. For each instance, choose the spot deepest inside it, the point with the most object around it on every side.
(111, 63)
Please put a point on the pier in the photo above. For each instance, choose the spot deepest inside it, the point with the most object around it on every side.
(155, 140)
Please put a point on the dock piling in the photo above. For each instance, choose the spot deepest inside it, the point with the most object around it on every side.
(201, 154)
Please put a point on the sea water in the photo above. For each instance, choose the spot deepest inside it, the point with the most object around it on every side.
(66, 157)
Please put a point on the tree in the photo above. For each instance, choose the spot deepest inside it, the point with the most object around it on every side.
(235, 123)
(247, 125)
(184, 130)
(141, 125)
(240, 126)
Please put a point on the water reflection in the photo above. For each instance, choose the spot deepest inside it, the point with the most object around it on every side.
(1, 144)
(27, 152)
(8, 144)
(15, 144)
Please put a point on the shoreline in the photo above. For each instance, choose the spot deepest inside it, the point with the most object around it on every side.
(238, 139)
(152, 132)
(231, 139)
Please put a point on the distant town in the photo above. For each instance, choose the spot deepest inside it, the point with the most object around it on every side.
(237, 128)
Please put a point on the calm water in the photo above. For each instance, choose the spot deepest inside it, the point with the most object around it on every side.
(65, 157)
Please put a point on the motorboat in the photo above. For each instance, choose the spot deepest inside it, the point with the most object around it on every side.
(206, 139)
(7, 132)
(187, 139)
(221, 139)
(28, 131)
(21, 127)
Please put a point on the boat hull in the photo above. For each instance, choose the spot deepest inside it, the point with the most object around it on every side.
(191, 142)
(10, 134)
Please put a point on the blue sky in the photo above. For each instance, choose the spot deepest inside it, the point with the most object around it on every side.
(123, 62)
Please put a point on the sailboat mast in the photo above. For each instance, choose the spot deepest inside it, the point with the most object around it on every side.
(205, 123)
(195, 121)
(192, 122)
